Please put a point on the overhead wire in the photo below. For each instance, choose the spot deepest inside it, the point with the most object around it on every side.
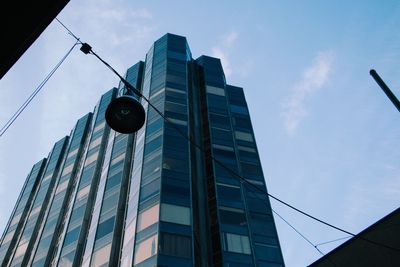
(297, 231)
(315, 246)
(138, 93)
(69, 31)
(331, 241)
(34, 93)
(265, 201)
(233, 172)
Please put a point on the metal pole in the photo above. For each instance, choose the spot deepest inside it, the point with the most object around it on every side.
(385, 89)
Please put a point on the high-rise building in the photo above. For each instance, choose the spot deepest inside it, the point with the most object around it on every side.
(179, 192)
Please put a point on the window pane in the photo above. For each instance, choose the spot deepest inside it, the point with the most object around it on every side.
(8, 237)
(215, 90)
(267, 252)
(95, 142)
(175, 214)
(72, 236)
(100, 126)
(237, 243)
(83, 192)
(229, 192)
(67, 260)
(232, 216)
(21, 250)
(105, 228)
(101, 256)
(146, 249)
(62, 186)
(67, 169)
(243, 136)
(149, 190)
(176, 245)
(148, 217)
(91, 158)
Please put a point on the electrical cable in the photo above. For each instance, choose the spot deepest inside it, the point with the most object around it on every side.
(34, 93)
(87, 49)
(266, 202)
(297, 231)
(327, 242)
(233, 172)
(130, 87)
(70, 32)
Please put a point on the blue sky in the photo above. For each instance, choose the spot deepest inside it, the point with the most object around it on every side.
(328, 137)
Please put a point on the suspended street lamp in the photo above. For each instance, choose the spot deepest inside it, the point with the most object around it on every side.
(124, 114)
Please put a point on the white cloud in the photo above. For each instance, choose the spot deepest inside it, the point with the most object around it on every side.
(230, 39)
(314, 78)
(222, 51)
(118, 34)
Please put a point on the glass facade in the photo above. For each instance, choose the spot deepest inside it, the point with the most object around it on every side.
(152, 198)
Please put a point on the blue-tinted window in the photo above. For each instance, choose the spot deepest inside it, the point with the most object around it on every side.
(170, 152)
(176, 191)
(217, 104)
(248, 156)
(232, 216)
(72, 236)
(180, 79)
(87, 175)
(267, 252)
(176, 66)
(221, 137)
(39, 262)
(241, 122)
(152, 168)
(239, 109)
(257, 205)
(252, 170)
(154, 126)
(175, 97)
(176, 164)
(262, 224)
(219, 121)
(229, 193)
(236, 95)
(153, 145)
(175, 245)
(176, 86)
(105, 228)
(227, 172)
(78, 213)
(114, 180)
(176, 108)
(150, 189)
(224, 155)
(176, 175)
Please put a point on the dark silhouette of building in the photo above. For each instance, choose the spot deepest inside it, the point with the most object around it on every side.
(103, 198)
(21, 25)
(377, 245)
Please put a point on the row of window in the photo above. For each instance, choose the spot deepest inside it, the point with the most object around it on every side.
(86, 182)
(35, 216)
(133, 197)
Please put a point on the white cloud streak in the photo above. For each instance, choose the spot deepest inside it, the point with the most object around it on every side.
(116, 34)
(314, 78)
(222, 51)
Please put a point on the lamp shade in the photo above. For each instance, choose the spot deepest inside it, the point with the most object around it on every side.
(125, 114)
